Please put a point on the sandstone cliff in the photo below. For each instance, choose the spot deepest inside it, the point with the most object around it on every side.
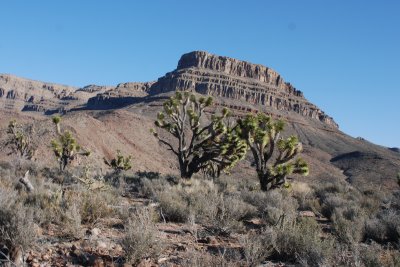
(231, 78)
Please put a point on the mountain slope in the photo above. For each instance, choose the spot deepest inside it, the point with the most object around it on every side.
(107, 118)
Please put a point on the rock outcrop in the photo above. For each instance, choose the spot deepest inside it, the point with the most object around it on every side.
(231, 78)
(122, 95)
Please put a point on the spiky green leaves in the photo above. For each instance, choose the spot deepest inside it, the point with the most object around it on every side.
(65, 148)
(274, 157)
(20, 140)
(56, 119)
(211, 148)
(120, 162)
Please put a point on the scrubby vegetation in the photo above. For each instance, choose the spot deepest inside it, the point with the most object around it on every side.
(139, 218)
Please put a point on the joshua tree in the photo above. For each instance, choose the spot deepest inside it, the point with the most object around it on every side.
(20, 140)
(211, 147)
(66, 149)
(119, 163)
(262, 135)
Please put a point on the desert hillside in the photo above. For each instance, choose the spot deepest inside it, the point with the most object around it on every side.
(85, 182)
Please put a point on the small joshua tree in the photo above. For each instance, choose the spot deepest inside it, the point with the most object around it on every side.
(275, 157)
(211, 148)
(66, 149)
(119, 163)
(20, 140)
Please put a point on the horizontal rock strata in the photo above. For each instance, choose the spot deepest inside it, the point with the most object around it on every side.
(225, 77)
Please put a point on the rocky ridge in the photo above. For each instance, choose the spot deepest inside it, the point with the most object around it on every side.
(201, 72)
(235, 79)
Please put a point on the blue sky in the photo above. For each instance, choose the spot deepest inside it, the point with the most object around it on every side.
(344, 55)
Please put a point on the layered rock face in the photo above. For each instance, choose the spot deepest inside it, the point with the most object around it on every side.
(23, 94)
(204, 73)
(230, 78)
(19, 94)
(123, 94)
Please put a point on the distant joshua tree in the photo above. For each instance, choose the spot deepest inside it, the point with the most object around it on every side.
(20, 140)
(262, 135)
(119, 163)
(66, 149)
(210, 147)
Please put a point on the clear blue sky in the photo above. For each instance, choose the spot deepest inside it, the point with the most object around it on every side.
(344, 55)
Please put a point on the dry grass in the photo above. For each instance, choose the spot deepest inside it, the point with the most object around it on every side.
(16, 222)
(141, 237)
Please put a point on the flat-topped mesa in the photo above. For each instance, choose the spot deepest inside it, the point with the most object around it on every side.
(240, 80)
(234, 67)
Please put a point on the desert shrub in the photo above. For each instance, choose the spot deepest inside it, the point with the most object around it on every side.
(384, 227)
(173, 207)
(237, 208)
(16, 222)
(228, 184)
(193, 258)
(348, 223)
(198, 199)
(72, 222)
(395, 201)
(375, 255)
(333, 187)
(231, 211)
(301, 242)
(257, 246)
(371, 200)
(95, 205)
(332, 202)
(141, 237)
(46, 206)
(272, 205)
(304, 195)
(151, 187)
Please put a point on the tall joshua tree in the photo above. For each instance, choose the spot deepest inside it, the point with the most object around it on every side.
(66, 149)
(212, 147)
(275, 157)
